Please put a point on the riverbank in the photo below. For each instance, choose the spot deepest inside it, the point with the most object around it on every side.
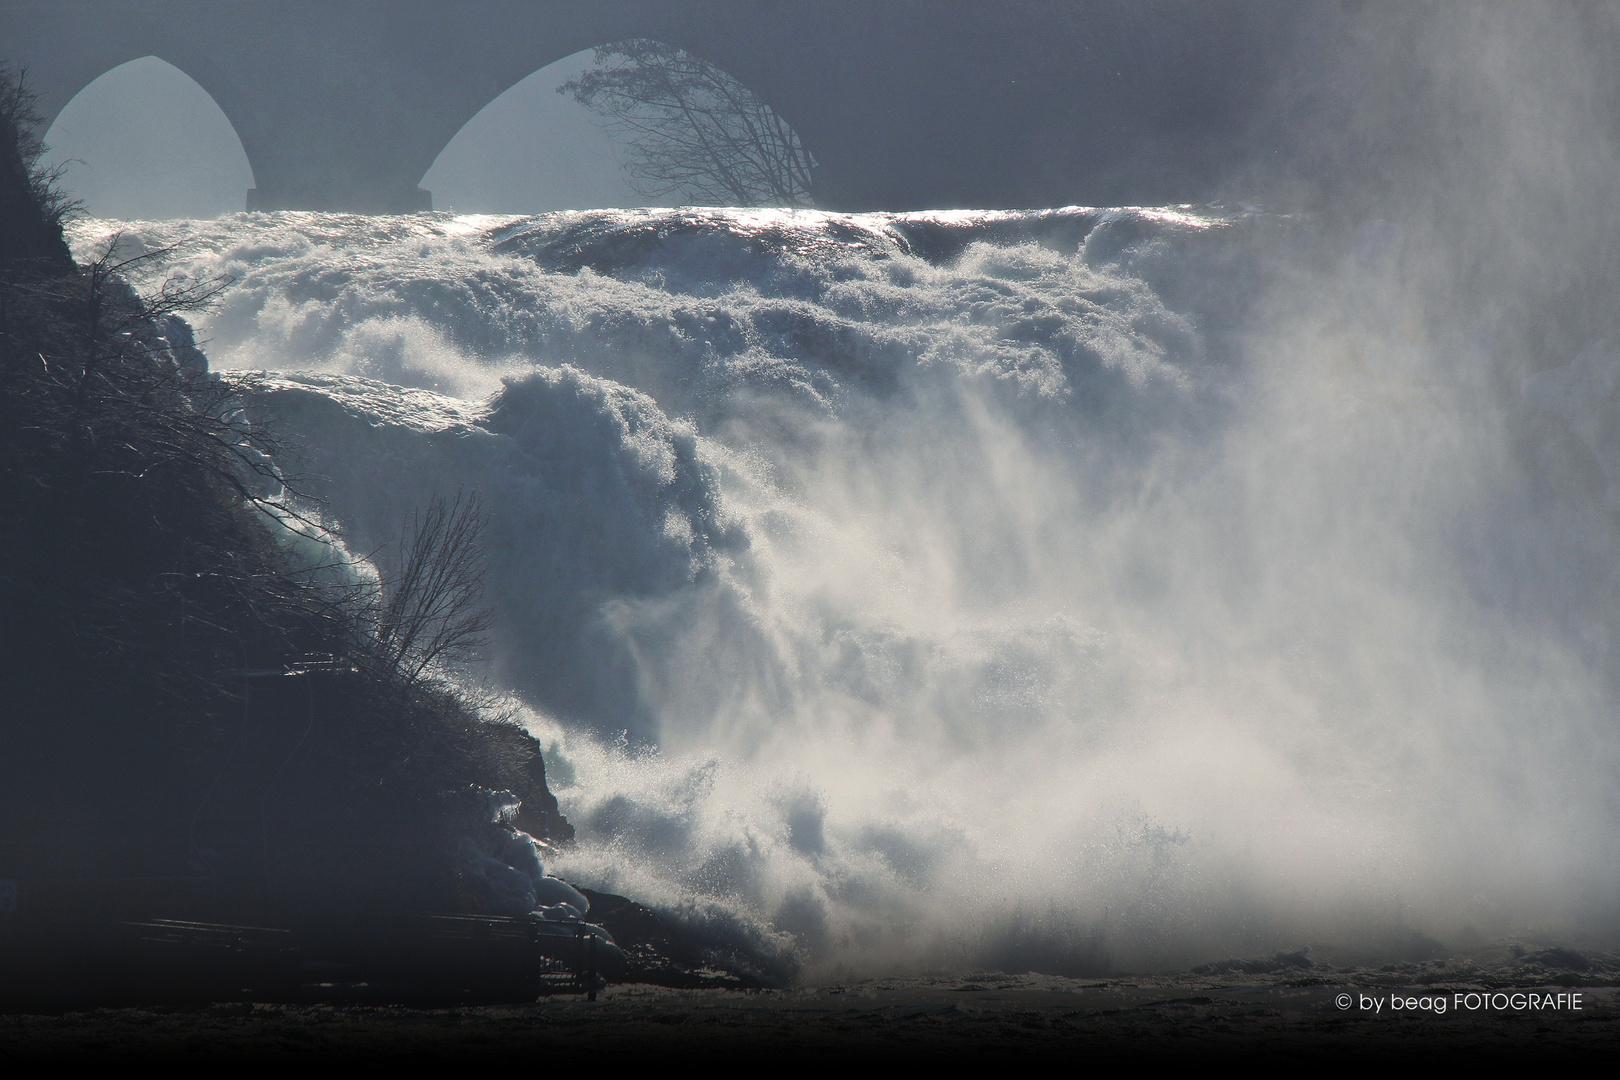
(989, 1017)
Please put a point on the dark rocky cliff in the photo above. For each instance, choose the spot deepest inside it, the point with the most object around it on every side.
(190, 725)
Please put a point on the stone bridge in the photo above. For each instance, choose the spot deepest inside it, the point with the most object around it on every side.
(905, 103)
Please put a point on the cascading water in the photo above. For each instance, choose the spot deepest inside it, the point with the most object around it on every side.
(1070, 590)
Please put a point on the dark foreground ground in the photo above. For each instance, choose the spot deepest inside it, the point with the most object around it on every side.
(988, 1019)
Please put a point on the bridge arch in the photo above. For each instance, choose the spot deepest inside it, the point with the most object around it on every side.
(532, 149)
(144, 139)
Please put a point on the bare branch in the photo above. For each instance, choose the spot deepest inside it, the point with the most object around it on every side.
(693, 129)
(432, 613)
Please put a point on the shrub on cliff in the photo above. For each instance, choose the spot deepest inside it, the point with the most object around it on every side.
(31, 209)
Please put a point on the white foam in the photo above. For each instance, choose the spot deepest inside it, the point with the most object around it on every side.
(980, 587)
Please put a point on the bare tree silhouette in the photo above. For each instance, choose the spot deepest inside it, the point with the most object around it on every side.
(694, 131)
(432, 612)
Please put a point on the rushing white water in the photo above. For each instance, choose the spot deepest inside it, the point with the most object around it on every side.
(1062, 590)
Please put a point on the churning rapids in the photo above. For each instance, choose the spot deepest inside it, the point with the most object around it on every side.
(1070, 590)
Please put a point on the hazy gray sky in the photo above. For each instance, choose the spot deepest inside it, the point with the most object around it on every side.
(529, 150)
(145, 141)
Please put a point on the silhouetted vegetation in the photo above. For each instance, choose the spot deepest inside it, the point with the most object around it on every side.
(31, 207)
(188, 716)
(693, 130)
(432, 613)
